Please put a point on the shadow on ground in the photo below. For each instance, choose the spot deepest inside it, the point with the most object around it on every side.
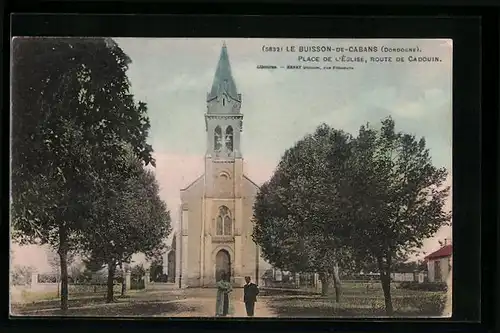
(125, 305)
(136, 309)
(54, 303)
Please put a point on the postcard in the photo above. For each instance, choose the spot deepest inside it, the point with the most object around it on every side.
(238, 177)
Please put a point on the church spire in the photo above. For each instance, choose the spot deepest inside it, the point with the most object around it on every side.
(223, 82)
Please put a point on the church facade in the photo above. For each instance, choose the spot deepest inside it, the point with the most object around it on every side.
(215, 233)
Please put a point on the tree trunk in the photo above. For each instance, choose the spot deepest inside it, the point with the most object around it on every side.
(326, 279)
(124, 288)
(63, 256)
(385, 279)
(124, 281)
(337, 284)
(111, 275)
(386, 286)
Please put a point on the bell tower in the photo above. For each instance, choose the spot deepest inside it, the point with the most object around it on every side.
(216, 219)
(223, 120)
(223, 182)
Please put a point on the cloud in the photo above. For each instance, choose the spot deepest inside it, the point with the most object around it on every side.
(422, 106)
(173, 173)
(186, 83)
(176, 171)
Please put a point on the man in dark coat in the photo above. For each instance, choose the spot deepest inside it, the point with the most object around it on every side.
(250, 297)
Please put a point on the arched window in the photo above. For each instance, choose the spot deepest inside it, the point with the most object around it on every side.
(224, 222)
(217, 138)
(229, 138)
(228, 225)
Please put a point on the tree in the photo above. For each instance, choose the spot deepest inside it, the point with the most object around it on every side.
(300, 217)
(93, 264)
(55, 264)
(130, 218)
(137, 273)
(156, 269)
(396, 195)
(71, 115)
(21, 275)
(76, 273)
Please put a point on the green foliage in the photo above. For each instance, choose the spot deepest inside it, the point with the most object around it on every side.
(71, 111)
(137, 285)
(21, 275)
(421, 304)
(93, 263)
(75, 274)
(431, 304)
(356, 202)
(156, 269)
(137, 272)
(397, 193)
(72, 117)
(299, 213)
(397, 197)
(129, 217)
(54, 260)
(427, 286)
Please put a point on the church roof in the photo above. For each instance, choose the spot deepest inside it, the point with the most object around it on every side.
(251, 181)
(223, 79)
(193, 182)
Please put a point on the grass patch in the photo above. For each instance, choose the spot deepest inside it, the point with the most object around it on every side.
(357, 300)
(54, 303)
(49, 301)
(137, 309)
(30, 296)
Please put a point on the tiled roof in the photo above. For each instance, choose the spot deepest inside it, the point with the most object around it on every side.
(445, 251)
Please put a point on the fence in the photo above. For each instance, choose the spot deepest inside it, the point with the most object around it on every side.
(72, 288)
(310, 282)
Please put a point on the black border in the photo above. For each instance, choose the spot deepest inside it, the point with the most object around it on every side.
(466, 34)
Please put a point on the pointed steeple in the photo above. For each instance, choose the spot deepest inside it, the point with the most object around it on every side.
(223, 79)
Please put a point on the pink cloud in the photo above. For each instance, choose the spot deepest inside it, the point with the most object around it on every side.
(174, 172)
(259, 169)
(34, 256)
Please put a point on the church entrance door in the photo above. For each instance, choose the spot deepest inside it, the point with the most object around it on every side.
(222, 264)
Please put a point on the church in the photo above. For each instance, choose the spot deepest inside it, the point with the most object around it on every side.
(216, 226)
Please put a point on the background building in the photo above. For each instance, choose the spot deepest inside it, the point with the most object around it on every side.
(439, 263)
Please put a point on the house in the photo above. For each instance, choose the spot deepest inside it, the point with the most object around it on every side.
(439, 263)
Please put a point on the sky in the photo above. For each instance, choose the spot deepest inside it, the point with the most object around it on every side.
(173, 76)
